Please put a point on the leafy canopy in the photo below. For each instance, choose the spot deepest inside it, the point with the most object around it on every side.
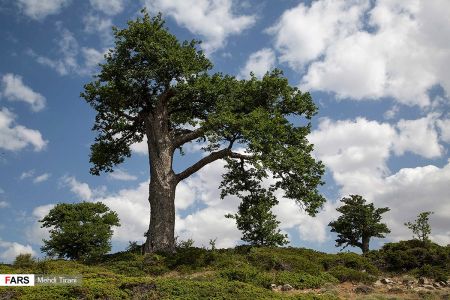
(79, 231)
(421, 227)
(149, 75)
(358, 222)
(254, 218)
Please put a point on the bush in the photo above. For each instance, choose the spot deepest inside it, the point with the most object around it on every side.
(301, 280)
(422, 259)
(248, 274)
(351, 261)
(437, 273)
(412, 254)
(24, 261)
(344, 274)
(286, 259)
(190, 259)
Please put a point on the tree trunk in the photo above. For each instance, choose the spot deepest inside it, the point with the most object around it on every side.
(365, 244)
(163, 182)
(160, 235)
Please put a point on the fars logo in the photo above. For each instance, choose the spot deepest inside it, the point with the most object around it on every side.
(16, 279)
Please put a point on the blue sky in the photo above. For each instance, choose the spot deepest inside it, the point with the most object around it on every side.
(376, 70)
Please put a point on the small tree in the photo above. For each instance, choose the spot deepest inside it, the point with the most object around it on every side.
(79, 231)
(254, 218)
(358, 223)
(421, 228)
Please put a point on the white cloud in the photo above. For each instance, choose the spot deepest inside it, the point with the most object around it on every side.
(3, 204)
(418, 136)
(303, 33)
(134, 212)
(74, 59)
(26, 174)
(100, 25)
(35, 233)
(356, 152)
(81, 189)
(444, 127)
(10, 250)
(92, 58)
(16, 137)
(140, 148)
(109, 7)
(14, 89)
(391, 113)
(214, 20)
(391, 49)
(312, 229)
(414, 190)
(353, 148)
(39, 9)
(259, 63)
(41, 178)
(122, 175)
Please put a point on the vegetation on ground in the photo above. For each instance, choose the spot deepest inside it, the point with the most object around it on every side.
(244, 272)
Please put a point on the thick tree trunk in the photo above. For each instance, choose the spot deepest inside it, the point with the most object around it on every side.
(163, 182)
(160, 235)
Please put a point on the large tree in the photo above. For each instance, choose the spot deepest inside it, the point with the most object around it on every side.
(358, 223)
(153, 86)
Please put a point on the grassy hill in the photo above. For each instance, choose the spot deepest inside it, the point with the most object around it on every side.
(242, 273)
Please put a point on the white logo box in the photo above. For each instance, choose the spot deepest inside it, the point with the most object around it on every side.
(16, 279)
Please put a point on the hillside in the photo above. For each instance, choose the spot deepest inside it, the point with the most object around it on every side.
(248, 273)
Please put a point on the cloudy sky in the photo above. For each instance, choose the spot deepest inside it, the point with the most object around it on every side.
(378, 71)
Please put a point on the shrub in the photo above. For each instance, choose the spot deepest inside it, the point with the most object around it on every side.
(301, 280)
(344, 274)
(189, 259)
(351, 261)
(24, 261)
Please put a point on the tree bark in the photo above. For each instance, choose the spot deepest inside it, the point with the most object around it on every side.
(160, 235)
(365, 244)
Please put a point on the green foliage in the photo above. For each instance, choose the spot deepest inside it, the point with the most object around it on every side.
(350, 261)
(358, 223)
(254, 218)
(153, 85)
(420, 227)
(184, 244)
(196, 273)
(287, 259)
(79, 231)
(347, 274)
(421, 259)
(24, 261)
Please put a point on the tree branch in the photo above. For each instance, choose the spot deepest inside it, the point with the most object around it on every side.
(187, 137)
(213, 156)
